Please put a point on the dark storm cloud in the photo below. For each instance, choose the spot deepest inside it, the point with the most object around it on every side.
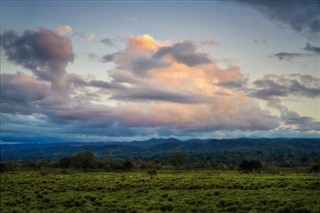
(185, 53)
(302, 16)
(143, 94)
(43, 51)
(289, 56)
(282, 86)
(311, 48)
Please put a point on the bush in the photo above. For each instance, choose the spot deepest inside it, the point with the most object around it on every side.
(250, 165)
(315, 168)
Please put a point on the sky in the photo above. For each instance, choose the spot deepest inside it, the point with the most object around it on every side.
(93, 71)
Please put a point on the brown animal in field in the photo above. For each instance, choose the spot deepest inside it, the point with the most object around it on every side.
(146, 178)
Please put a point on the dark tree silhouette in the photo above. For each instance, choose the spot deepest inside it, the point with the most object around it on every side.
(45, 163)
(65, 163)
(178, 160)
(250, 165)
(84, 160)
(127, 165)
(315, 168)
(3, 167)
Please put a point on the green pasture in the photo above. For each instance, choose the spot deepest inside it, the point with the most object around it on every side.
(168, 191)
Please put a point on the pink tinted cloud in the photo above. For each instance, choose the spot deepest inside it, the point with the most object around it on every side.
(209, 42)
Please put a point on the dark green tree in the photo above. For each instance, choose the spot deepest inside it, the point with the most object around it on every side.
(178, 160)
(84, 160)
(315, 168)
(65, 163)
(45, 163)
(127, 165)
(29, 164)
(112, 164)
(250, 165)
(3, 167)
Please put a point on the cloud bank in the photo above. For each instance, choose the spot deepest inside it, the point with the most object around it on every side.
(301, 16)
(156, 89)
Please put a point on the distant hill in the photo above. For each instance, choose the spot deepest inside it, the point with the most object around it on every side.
(223, 150)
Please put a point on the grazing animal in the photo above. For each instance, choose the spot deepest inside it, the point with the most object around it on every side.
(146, 179)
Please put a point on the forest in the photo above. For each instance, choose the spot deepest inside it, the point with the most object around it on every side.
(225, 154)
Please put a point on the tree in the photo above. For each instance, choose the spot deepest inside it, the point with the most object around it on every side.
(45, 163)
(250, 165)
(315, 168)
(84, 160)
(29, 164)
(112, 164)
(3, 167)
(64, 163)
(127, 165)
(178, 160)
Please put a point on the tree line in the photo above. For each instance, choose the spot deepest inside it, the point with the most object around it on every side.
(87, 161)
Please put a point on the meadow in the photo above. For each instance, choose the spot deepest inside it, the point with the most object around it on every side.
(168, 191)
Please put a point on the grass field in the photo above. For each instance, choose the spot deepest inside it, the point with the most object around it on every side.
(202, 191)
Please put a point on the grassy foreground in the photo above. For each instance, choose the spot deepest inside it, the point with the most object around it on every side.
(202, 191)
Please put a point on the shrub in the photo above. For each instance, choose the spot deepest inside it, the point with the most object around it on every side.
(217, 193)
(315, 168)
(250, 165)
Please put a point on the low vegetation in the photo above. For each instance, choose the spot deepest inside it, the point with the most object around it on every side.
(59, 190)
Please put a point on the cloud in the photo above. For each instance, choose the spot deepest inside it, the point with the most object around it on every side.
(93, 57)
(141, 44)
(194, 117)
(62, 30)
(185, 53)
(106, 85)
(302, 123)
(289, 56)
(239, 83)
(43, 52)
(42, 49)
(109, 57)
(22, 93)
(133, 20)
(22, 88)
(311, 48)
(301, 16)
(152, 90)
(261, 41)
(184, 90)
(108, 41)
(150, 94)
(289, 85)
(291, 118)
(90, 37)
(209, 42)
(141, 65)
